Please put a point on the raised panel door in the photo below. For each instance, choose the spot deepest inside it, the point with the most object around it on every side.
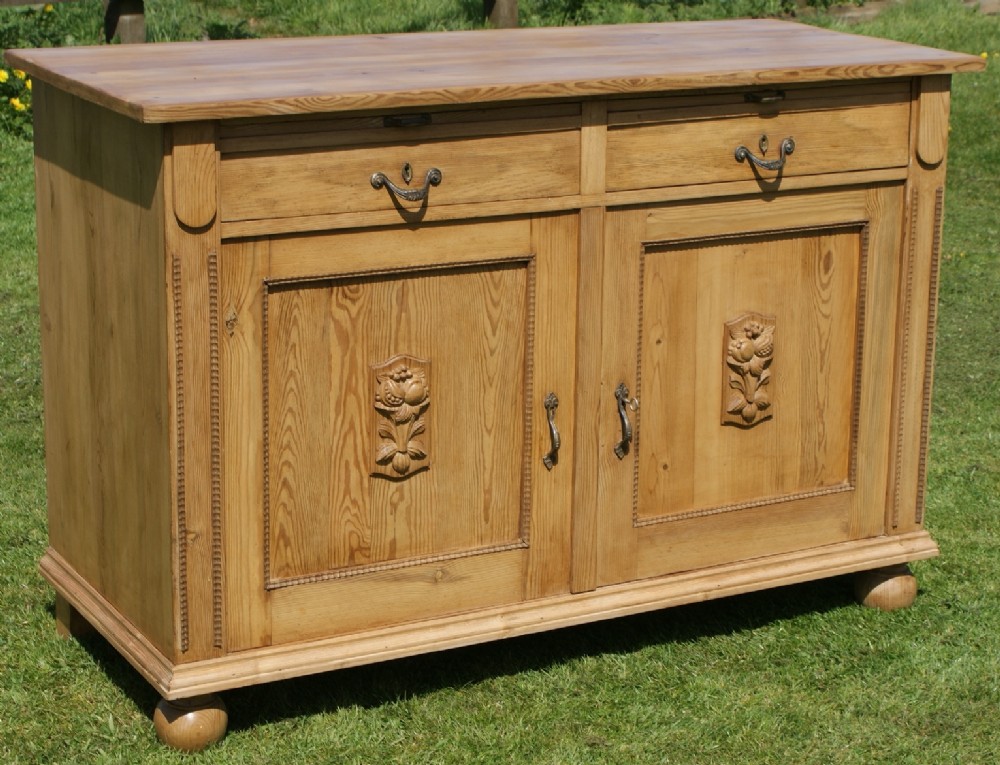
(384, 424)
(755, 340)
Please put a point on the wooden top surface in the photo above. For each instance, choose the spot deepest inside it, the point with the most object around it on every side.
(170, 82)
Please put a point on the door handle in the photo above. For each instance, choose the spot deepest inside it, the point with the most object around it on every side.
(622, 397)
(550, 459)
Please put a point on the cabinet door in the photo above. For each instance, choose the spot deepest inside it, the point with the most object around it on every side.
(384, 424)
(756, 340)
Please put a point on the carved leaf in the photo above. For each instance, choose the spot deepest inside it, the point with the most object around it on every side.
(419, 427)
(416, 450)
(385, 431)
(765, 377)
(403, 413)
(385, 453)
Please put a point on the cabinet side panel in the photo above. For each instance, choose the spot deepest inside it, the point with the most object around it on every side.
(104, 350)
(921, 256)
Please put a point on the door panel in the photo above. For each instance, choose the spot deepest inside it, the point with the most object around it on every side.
(751, 378)
(775, 316)
(400, 425)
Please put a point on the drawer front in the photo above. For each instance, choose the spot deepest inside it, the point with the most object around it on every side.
(703, 150)
(283, 184)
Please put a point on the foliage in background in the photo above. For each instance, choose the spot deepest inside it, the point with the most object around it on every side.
(797, 675)
(39, 26)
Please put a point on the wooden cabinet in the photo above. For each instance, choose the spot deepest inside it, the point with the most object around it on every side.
(423, 350)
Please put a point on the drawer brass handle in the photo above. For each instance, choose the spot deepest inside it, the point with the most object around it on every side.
(433, 178)
(787, 147)
(622, 397)
(550, 459)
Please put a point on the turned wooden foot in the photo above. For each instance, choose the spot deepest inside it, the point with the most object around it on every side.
(886, 588)
(191, 724)
(69, 621)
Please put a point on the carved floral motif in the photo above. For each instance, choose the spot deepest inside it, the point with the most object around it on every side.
(402, 396)
(749, 342)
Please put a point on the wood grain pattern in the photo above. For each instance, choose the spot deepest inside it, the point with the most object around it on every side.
(932, 118)
(195, 161)
(285, 184)
(244, 385)
(685, 291)
(915, 339)
(225, 79)
(806, 280)
(691, 149)
(459, 212)
(99, 193)
(589, 400)
(333, 305)
(319, 361)
(194, 393)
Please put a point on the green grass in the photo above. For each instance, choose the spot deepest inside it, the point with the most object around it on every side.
(798, 675)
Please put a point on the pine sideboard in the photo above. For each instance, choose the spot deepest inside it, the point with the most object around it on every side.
(362, 347)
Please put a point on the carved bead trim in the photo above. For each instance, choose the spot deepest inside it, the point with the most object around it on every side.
(402, 396)
(925, 421)
(859, 356)
(749, 505)
(529, 415)
(216, 446)
(391, 565)
(748, 350)
(904, 359)
(182, 535)
(266, 431)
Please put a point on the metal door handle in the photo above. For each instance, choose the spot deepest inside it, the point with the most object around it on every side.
(550, 459)
(622, 397)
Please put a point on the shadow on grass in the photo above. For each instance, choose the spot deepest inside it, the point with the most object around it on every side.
(374, 685)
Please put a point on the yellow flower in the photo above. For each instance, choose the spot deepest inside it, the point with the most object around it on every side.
(3, 75)
(18, 106)
(984, 54)
(20, 74)
(48, 8)
(27, 85)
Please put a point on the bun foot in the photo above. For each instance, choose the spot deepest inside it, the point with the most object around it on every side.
(191, 724)
(886, 588)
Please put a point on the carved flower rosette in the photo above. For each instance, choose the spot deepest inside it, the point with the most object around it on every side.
(749, 351)
(402, 395)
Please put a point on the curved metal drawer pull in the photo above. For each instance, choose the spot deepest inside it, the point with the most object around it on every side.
(433, 178)
(786, 148)
(622, 397)
(550, 459)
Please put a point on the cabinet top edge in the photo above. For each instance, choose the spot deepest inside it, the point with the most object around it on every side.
(176, 82)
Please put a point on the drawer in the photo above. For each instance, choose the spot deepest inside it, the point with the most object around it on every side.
(296, 182)
(697, 144)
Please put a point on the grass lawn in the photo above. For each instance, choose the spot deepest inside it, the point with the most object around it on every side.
(796, 675)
